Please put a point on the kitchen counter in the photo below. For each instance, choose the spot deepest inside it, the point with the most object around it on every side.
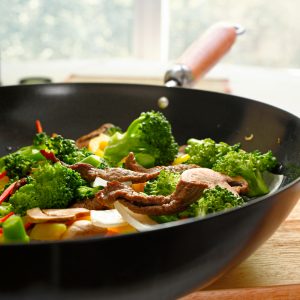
(276, 263)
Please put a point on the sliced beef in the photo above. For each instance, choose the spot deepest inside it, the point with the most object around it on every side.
(189, 189)
(89, 173)
(91, 204)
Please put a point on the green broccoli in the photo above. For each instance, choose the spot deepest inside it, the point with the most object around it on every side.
(49, 186)
(112, 130)
(164, 184)
(206, 152)
(149, 137)
(18, 164)
(249, 165)
(64, 149)
(215, 200)
(84, 192)
(212, 200)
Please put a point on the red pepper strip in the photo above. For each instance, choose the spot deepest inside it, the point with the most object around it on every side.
(3, 219)
(27, 225)
(49, 155)
(38, 126)
(3, 174)
(1, 230)
(7, 192)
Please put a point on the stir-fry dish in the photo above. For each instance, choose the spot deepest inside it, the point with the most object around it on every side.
(112, 182)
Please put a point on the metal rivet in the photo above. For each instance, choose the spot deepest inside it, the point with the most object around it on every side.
(163, 102)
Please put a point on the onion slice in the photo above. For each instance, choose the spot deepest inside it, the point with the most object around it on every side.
(107, 218)
(139, 221)
(99, 182)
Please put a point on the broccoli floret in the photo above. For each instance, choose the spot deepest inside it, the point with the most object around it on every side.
(206, 152)
(164, 184)
(149, 137)
(249, 165)
(215, 200)
(112, 130)
(18, 164)
(64, 149)
(165, 218)
(84, 192)
(49, 186)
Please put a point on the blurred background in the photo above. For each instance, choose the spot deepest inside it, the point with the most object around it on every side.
(136, 40)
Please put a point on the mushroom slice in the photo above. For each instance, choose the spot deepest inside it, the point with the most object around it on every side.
(36, 215)
(83, 228)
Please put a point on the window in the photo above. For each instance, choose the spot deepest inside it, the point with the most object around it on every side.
(44, 37)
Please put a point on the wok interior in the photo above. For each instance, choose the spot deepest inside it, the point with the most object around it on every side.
(75, 109)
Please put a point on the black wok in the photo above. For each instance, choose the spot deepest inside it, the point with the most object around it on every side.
(160, 264)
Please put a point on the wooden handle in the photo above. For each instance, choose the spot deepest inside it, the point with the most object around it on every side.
(207, 50)
(260, 293)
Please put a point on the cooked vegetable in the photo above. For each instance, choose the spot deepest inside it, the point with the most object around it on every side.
(48, 231)
(214, 200)
(36, 215)
(113, 129)
(4, 218)
(82, 228)
(164, 184)
(38, 126)
(95, 161)
(5, 208)
(7, 192)
(138, 221)
(107, 218)
(19, 163)
(49, 186)
(84, 192)
(149, 137)
(64, 149)
(14, 231)
(249, 165)
(206, 152)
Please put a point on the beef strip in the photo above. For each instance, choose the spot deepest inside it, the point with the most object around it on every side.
(89, 173)
(189, 189)
(91, 204)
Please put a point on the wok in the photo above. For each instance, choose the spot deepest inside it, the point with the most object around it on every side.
(172, 260)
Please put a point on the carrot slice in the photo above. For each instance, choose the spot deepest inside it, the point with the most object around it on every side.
(3, 219)
(7, 192)
(38, 126)
(3, 174)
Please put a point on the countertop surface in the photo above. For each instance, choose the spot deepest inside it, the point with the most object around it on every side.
(276, 263)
